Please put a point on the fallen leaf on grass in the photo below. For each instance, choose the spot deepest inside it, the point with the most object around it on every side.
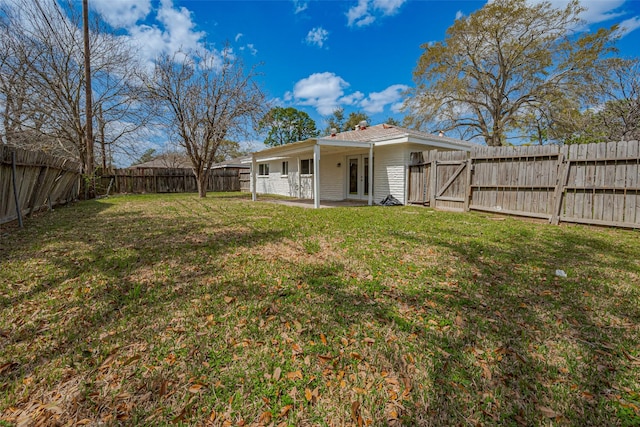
(196, 388)
(229, 300)
(548, 412)
(8, 367)
(285, 410)
(323, 338)
(355, 413)
(295, 375)
(276, 374)
(265, 418)
(324, 359)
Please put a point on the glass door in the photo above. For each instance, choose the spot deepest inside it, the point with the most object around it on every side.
(353, 177)
(358, 177)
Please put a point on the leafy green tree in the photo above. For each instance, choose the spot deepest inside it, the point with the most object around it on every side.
(500, 64)
(354, 119)
(230, 150)
(393, 122)
(286, 125)
(335, 121)
(338, 122)
(147, 156)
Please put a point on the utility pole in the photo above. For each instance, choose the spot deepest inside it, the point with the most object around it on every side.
(88, 107)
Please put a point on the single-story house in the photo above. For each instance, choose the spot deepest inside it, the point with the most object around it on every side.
(367, 163)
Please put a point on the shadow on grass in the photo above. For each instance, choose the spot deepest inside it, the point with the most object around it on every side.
(124, 264)
(516, 343)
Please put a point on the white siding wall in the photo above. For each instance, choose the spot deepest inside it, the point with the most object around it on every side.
(389, 171)
(332, 177)
(275, 183)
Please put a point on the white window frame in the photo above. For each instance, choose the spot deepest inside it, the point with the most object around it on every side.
(310, 167)
(263, 169)
(284, 172)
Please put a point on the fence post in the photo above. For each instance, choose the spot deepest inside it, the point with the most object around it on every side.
(563, 175)
(467, 192)
(15, 188)
(433, 184)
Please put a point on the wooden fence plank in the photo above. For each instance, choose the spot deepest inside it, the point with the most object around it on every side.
(594, 183)
(632, 181)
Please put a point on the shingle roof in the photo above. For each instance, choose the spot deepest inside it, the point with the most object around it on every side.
(166, 161)
(386, 132)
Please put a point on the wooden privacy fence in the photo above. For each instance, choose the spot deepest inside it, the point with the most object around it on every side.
(245, 180)
(591, 184)
(169, 180)
(31, 180)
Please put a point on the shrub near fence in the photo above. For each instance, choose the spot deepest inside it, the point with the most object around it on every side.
(169, 180)
(592, 183)
(40, 181)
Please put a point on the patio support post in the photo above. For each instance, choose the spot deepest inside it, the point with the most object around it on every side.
(316, 176)
(370, 177)
(254, 167)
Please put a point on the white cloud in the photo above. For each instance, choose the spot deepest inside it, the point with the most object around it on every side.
(122, 14)
(238, 36)
(376, 101)
(366, 11)
(172, 29)
(299, 6)
(628, 25)
(321, 91)
(459, 15)
(317, 36)
(251, 48)
(359, 15)
(353, 99)
(326, 92)
(595, 10)
(388, 7)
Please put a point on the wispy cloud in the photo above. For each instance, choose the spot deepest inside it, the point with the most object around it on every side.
(377, 101)
(122, 14)
(367, 11)
(300, 6)
(238, 36)
(250, 48)
(459, 15)
(628, 25)
(317, 36)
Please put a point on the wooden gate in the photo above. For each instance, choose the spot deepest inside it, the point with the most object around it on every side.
(440, 180)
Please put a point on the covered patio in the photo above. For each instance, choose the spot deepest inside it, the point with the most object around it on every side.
(317, 150)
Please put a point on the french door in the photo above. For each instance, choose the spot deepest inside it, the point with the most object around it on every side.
(358, 177)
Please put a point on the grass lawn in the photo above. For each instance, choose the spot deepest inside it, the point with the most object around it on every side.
(168, 309)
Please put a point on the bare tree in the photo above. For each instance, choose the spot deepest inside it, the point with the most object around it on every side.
(45, 83)
(205, 99)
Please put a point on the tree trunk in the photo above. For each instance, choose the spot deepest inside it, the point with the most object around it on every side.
(202, 185)
(88, 105)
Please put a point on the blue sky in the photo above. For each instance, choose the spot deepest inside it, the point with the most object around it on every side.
(320, 55)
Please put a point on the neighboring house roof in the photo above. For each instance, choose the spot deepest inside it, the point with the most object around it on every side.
(176, 161)
(238, 162)
(165, 161)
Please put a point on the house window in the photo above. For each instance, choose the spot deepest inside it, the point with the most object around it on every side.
(263, 169)
(285, 169)
(306, 166)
